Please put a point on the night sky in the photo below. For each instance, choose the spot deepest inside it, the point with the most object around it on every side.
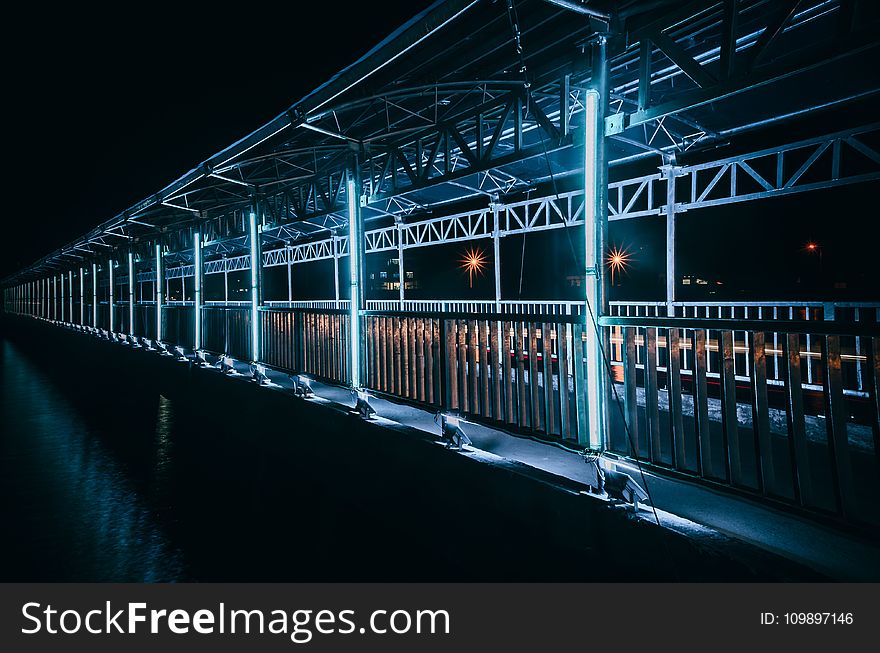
(106, 107)
(109, 108)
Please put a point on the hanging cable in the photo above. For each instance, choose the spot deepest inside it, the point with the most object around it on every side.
(514, 24)
(513, 19)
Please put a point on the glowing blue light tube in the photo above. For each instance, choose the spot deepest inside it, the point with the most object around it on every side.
(159, 287)
(95, 295)
(354, 269)
(131, 281)
(110, 272)
(593, 261)
(254, 235)
(197, 293)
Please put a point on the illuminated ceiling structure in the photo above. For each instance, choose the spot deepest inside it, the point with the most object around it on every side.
(470, 104)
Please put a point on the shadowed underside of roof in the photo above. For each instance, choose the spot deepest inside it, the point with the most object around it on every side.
(475, 100)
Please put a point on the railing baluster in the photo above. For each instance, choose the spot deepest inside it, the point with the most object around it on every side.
(429, 360)
(462, 367)
(797, 435)
(562, 358)
(547, 373)
(872, 354)
(485, 403)
(729, 422)
(495, 361)
(701, 406)
(761, 414)
(630, 393)
(415, 371)
(404, 357)
(472, 367)
(580, 398)
(673, 386)
(451, 366)
(652, 412)
(835, 421)
(388, 354)
(420, 360)
(375, 357)
(507, 329)
(521, 410)
(536, 421)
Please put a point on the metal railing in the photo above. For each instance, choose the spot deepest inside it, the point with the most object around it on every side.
(699, 401)
(778, 399)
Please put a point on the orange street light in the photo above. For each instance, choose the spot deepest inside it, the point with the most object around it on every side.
(474, 262)
(618, 261)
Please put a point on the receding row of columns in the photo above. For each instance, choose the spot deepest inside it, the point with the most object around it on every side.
(22, 298)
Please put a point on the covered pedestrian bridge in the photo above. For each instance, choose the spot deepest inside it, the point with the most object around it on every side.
(479, 125)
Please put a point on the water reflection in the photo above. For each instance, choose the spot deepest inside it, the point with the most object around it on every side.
(74, 509)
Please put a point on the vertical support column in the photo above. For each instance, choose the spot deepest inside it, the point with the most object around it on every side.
(160, 289)
(95, 295)
(198, 275)
(400, 270)
(355, 258)
(131, 282)
(496, 254)
(335, 244)
(70, 293)
(289, 274)
(61, 279)
(670, 172)
(82, 287)
(225, 283)
(256, 277)
(595, 234)
(112, 296)
(54, 297)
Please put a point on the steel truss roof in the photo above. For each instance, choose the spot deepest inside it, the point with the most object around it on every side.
(446, 115)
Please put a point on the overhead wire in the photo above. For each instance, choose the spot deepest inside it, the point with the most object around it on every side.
(514, 23)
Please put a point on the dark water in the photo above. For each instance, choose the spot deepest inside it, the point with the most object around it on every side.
(79, 502)
(105, 477)
(102, 482)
